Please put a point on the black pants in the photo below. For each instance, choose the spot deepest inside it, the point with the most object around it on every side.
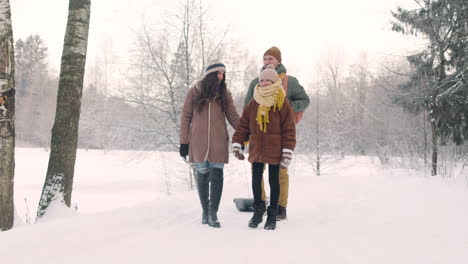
(273, 179)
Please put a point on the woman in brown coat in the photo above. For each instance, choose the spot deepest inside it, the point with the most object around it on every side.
(268, 121)
(204, 136)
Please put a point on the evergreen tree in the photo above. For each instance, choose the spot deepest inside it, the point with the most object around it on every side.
(35, 90)
(439, 80)
(30, 59)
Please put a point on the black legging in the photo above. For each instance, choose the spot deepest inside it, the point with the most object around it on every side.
(273, 179)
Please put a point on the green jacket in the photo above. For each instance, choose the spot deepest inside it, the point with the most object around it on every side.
(296, 93)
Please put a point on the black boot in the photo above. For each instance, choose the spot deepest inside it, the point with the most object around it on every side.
(204, 219)
(271, 218)
(281, 215)
(257, 217)
(203, 190)
(216, 190)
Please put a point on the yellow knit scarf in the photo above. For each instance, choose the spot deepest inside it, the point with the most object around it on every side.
(267, 97)
(281, 75)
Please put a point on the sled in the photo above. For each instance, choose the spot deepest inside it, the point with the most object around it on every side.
(244, 204)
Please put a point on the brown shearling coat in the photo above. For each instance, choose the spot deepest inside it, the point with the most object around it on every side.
(267, 147)
(205, 131)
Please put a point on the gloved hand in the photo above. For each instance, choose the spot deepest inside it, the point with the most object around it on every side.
(183, 150)
(286, 158)
(236, 149)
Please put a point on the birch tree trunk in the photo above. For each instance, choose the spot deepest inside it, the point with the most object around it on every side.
(7, 117)
(317, 133)
(434, 135)
(59, 179)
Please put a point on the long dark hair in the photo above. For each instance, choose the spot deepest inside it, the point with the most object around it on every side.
(211, 89)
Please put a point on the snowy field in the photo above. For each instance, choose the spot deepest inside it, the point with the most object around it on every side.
(134, 207)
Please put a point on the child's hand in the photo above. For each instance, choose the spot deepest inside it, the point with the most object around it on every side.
(236, 149)
(286, 158)
(239, 155)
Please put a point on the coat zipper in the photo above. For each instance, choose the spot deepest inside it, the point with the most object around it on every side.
(209, 130)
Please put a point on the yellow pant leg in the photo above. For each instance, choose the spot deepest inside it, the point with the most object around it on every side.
(284, 187)
(263, 191)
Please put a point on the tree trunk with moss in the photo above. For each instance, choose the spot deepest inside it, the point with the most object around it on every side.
(7, 117)
(59, 179)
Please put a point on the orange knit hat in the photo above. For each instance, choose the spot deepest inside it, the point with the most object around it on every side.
(275, 52)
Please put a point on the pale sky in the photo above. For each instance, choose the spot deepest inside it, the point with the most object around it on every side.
(303, 30)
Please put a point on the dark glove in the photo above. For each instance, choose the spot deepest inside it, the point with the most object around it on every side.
(183, 150)
(286, 158)
(237, 152)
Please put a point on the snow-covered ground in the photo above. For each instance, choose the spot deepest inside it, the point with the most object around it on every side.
(134, 207)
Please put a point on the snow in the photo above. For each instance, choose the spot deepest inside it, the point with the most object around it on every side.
(57, 210)
(359, 213)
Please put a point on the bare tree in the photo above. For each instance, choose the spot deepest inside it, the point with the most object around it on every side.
(357, 94)
(7, 117)
(336, 111)
(315, 129)
(59, 179)
(318, 151)
(166, 63)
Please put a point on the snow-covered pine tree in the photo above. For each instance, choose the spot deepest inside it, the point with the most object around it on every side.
(439, 82)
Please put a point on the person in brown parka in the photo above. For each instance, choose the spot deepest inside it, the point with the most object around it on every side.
(204, 136)
(299, 100)
(268, 121)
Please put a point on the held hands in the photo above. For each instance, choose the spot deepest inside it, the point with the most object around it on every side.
(286, 158)
(183, 150)
(236, 150)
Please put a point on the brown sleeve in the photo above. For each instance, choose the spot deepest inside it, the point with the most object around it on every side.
(288, 127)
(186, 118)
(243, 128)
(231, 111)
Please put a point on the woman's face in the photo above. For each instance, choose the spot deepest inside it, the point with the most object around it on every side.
(264, 83)
(220, 76)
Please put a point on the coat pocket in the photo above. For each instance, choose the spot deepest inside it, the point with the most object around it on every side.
(254, 144)
(273, 146)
